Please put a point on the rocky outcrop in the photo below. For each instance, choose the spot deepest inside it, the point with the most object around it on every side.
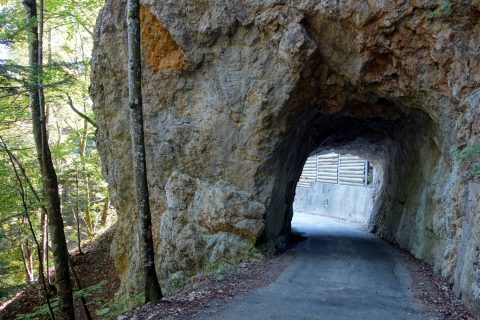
(237, 94)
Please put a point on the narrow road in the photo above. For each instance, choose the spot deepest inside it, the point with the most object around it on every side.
(339, 272)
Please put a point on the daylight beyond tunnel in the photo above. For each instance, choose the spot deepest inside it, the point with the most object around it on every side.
(339, 186)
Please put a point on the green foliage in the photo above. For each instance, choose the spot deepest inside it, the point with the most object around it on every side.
(42, 312)
(13, 228)
(442, 9)
(103, 311)
(116, 307)
(12, 23)
(89, 291)
(475, 170)
(445, 9)
(179, 283)
(67, 45)
(470, 156)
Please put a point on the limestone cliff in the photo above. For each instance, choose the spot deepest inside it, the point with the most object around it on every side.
(237, 95)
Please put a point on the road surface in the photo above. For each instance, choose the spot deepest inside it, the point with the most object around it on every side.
(339, 272)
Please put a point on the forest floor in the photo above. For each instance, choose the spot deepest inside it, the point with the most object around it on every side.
(97, 274)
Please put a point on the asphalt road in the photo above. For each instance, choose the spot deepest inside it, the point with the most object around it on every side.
(339, 272)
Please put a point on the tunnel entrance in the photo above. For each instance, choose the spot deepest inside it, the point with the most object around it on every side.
(341, 186)
(401, 147)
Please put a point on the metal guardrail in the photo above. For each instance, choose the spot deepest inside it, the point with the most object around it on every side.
(334, 168)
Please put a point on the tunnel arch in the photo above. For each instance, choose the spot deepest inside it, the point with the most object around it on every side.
(401, 139)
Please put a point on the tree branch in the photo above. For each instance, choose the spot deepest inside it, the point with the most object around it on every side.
(24, 174)
(81, 114)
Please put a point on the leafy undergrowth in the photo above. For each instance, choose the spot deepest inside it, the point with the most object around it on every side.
(98, 277)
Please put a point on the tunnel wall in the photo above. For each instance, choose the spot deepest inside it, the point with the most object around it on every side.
(252, 88)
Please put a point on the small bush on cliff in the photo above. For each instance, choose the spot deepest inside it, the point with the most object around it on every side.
(470, 157)
(443, 9)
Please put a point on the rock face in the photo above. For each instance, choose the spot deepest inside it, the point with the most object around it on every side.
(237, 95)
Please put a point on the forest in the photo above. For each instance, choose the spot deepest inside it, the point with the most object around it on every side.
(64, 37)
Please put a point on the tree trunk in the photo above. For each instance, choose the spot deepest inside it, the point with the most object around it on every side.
(83, 139)
(49, 177)
(88, 316)
(89, 221)
(28, 275)
(103, 216)
(77, 215)
(43, 238)
(30, 261)
(152, 287)
(22, 190)
(47, 258)
(43, 213)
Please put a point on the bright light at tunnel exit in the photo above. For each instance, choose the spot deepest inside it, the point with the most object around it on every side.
(340, 186)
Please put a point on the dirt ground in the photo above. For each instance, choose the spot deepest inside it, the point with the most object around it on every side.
(435, 293)
(212, 290)
(94, 268)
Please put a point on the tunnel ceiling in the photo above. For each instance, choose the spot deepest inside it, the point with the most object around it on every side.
(251, 88)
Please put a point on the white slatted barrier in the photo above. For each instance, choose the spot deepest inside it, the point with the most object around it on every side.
(309, 173)
(334, 168)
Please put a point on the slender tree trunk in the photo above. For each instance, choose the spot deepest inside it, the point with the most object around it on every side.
(47, 257)
(88, 316)
(44, 240)
(83, 139)
(32, 231)
(103, 216)
(43, 212)
(82, 147)
(22, 189)
(77, 215)
(89, 221)
(30, 261)
(49, 48)
(28, 276)
(152, 287)
(41, 95)
(49, 177)
(43, 227)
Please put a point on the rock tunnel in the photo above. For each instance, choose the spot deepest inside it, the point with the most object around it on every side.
(248, 90)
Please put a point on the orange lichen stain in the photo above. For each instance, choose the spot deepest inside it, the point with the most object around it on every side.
(182, 106)
(182, 110)
(159, 47)
(253, 96)
(237, 118)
